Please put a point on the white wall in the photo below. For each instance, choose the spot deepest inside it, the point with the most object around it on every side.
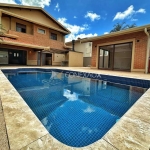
(85, 48)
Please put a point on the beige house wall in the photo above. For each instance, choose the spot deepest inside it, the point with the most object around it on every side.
(75, 59)
(32, 62)
(34, 15)
(29, 26)
(57, 59)
(6, 23)
(10, 24)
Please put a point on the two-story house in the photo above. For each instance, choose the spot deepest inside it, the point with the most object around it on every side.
(31, 36)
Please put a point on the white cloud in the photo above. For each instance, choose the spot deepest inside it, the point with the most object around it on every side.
(69, 96)
(75, 37)
(57, 7)
(92, 16)
(8, 1)
(141, 10)
(88, 110)
(39, 3)
(134, 19)
(128, 13)
(75, 17)
(125, 14)
(106, 32)
(75, 29)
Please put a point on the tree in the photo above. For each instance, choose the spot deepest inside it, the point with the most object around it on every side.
(2, 31)
(122, 26)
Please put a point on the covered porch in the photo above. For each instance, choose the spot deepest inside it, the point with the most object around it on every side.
(14, 53)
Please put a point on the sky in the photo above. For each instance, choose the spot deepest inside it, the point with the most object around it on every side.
(87, 18)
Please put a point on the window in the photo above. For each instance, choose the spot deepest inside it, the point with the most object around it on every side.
(42, 31)
(53, 36)
(16, 54)
(20, 28)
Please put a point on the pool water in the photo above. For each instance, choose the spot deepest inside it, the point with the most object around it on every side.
(76, 111)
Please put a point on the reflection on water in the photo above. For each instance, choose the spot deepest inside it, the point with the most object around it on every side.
(76, 111)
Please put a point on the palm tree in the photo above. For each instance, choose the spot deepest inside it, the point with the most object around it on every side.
(122, 26)
(131, 26)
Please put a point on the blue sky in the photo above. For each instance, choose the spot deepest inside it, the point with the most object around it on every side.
(86, 18)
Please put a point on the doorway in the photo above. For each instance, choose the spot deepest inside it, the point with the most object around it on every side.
(17, 57)
(46, 58)
(106, 57)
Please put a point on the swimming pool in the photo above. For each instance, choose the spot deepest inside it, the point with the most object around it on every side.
(75, 110)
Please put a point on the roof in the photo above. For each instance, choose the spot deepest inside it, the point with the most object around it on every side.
(35, 8)
(78, 40)
(122, 32)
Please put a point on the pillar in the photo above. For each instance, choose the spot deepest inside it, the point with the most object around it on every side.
(41, 58)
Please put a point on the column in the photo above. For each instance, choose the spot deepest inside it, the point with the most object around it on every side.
(41, 58)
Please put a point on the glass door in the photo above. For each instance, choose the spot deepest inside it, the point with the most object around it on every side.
(123, 56)
(106, 57)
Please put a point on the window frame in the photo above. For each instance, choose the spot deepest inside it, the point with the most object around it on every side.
(41, 32)
(22, 27)
(52, 35)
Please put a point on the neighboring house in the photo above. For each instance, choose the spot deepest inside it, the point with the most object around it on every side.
(85, 48)
(126, 50)
(32, 36)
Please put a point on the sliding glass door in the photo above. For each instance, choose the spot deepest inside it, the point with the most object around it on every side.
(106, 57)
(115, 57)
(122, 56)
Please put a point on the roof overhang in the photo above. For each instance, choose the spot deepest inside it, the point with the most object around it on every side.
(53, 50)
(36, 47)
(118, 33)
(66, 31)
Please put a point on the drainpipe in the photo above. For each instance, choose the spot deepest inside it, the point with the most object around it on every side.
(73, 43)
(147, 52)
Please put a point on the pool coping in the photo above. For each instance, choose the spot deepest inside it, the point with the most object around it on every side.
(133, 126)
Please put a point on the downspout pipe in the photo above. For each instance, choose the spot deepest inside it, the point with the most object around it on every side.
(73, 43)
(147, 52)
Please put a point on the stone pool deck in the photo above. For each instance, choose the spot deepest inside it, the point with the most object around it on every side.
(25, 131)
